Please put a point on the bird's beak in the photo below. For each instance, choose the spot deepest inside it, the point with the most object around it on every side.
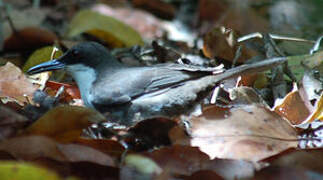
(46, 66)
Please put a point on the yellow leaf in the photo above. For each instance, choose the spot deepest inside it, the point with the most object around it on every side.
(39, 56)
(318, 113)
(19, 170)
(109, 29)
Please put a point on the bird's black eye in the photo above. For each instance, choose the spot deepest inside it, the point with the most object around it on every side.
(75, 53)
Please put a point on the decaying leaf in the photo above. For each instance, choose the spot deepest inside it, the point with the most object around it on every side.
(36, 147)
(110, 147)
(251, 132)
(21, 170)
(10, 122)
(14, 85)
(222, 42)
(306, 159)
(186, 160)
(29, 38)
(108, 29)
(65, 123)
(292, 107)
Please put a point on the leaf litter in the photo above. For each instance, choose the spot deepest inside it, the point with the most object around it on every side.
(245, 133)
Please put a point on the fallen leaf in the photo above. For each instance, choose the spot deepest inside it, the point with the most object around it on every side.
(238, 18)
(29, 38)
(251, 132)
(41, 55)
(150, 133)
(20, 170)
(211, 10)
(232, 169)
(186, 160)
(204, 175)
(15, 85)
(110, 147)
(36, 147)
(32, 147)
(80, 170)
(292, 107)
(159, 8)
(318, 112)
(142, 164)
(10, 122)
(149, 26)
(70, 89)
(79, 153)
(179, 159)
(221, 42)
(110, 30)
(281, 173)
(303, 159)
(65, 123)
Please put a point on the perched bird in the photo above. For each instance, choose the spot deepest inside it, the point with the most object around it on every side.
(131, 94)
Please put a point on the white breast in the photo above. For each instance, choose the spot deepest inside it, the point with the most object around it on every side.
(84, 77)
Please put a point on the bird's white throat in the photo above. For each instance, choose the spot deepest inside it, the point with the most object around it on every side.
(84, 77)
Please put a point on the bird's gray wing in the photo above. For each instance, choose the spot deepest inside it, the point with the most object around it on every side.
(127, 84)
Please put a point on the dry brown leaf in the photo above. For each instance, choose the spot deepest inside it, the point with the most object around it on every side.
(221, 42)
(32, 147)
(81, 169)
(251, 133)
(71, 90)
(305, 159)
(179, 159)
(157, 7)
(204, 175)
(29, 38)
(186, 160)
(150, 133)
(15, 85)
(79, 153)
(283, 173)
(65, 123)
(244, 19)
(110, 147)
(10, 122)
(36, 147)
(293, 108)
(211, 10)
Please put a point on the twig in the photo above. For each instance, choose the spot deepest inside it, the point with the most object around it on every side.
(316, 46)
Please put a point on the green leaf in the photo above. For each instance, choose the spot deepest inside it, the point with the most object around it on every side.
(109, 29)
(39, 56)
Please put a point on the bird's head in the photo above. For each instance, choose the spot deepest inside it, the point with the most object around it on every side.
(86, 55)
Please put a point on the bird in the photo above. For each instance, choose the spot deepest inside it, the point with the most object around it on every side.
(130, 94)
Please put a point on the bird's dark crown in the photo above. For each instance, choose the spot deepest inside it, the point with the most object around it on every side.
(88, 53)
